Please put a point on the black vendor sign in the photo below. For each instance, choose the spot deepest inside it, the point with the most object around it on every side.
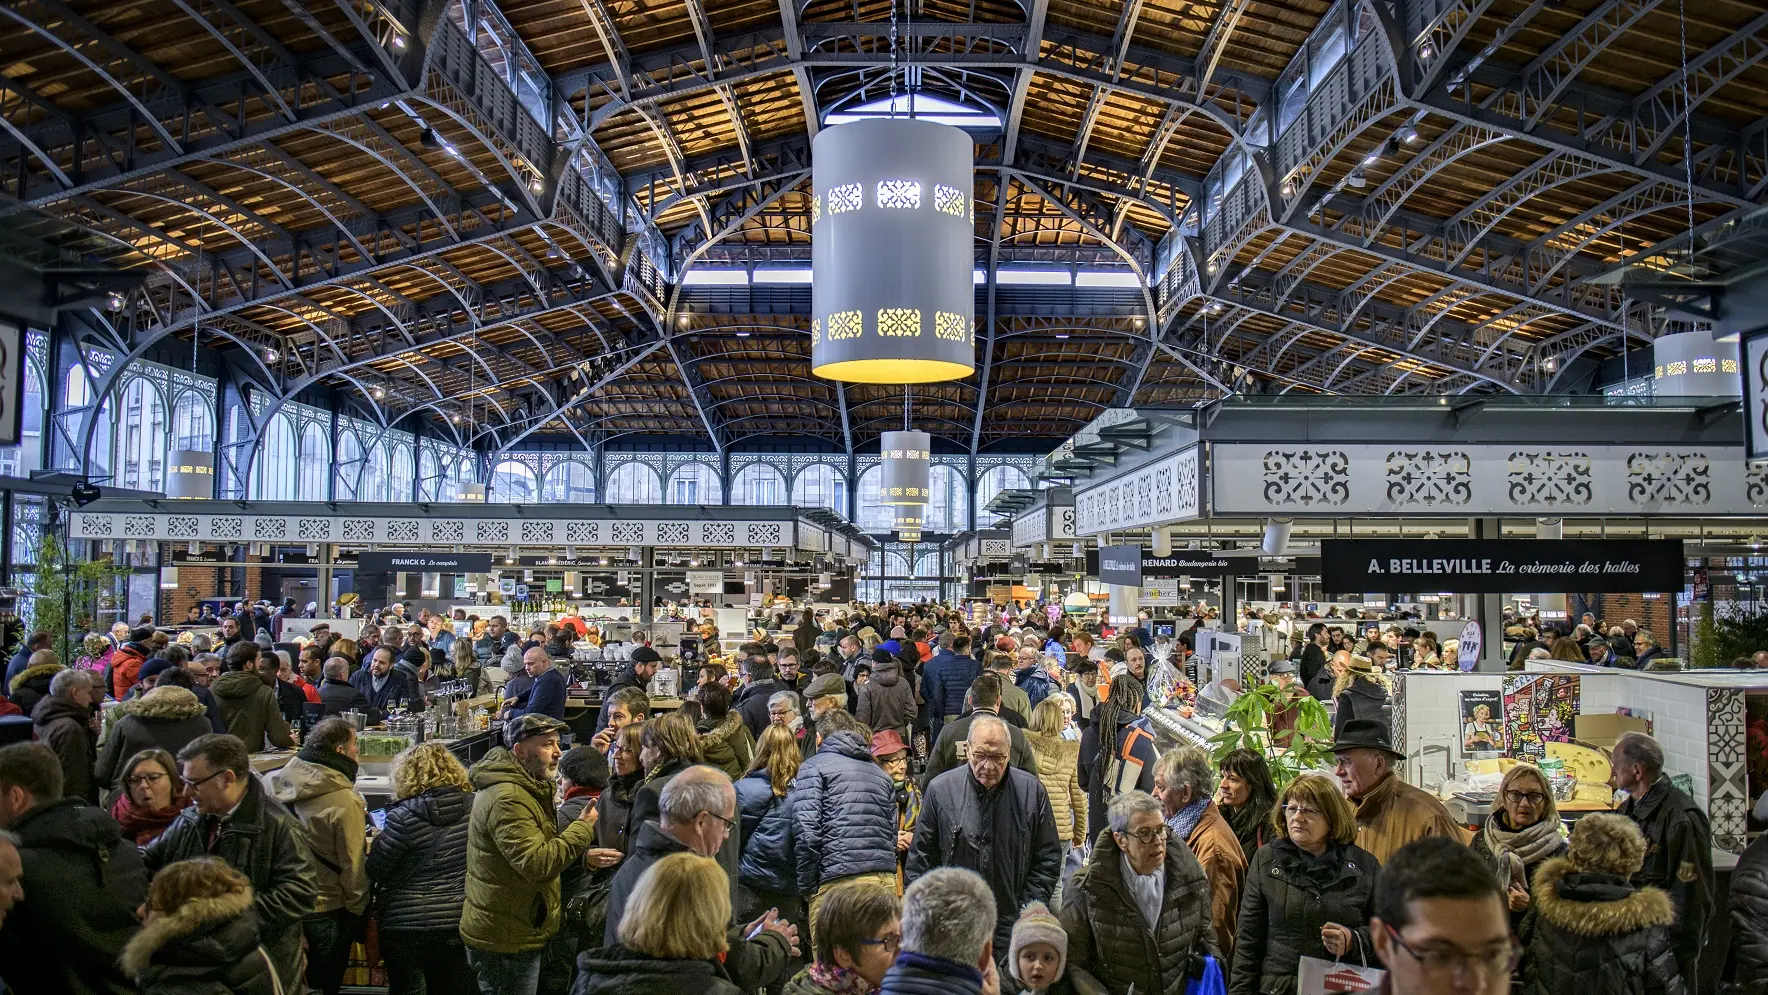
(1501, 566)
(421, 562)
(1190, 563)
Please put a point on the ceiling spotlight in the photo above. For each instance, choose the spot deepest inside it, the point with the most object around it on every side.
(1426, 50)
(1356, 180)
(399, 42)
(430, 139)
(1061, 335)
(457, 419)
(536, 185)
(1288, 189)
(113, 301)
(271, 355)
(1550, 363)
(570, 551)
(84, 493)
(1217, 307)
(1372, 158)
(742, 335)
(1212, 267)
(379, 393)
(1392, 148)
(1408, 134)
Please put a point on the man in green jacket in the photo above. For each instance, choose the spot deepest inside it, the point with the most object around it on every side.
(515, 852)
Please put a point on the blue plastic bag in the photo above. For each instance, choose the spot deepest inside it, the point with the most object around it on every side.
(1211, 983)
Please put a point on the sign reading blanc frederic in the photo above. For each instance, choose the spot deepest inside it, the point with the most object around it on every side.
(1501, 566)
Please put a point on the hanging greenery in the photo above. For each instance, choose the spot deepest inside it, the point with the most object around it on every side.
(69, 594)
(1247, 725)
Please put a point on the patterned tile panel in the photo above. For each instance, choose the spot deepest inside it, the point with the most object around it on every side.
(1727, 790)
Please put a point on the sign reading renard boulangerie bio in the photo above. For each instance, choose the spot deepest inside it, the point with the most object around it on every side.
(421, 562)
(1501, 566)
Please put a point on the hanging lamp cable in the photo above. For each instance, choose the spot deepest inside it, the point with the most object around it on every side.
(893, 58)
(1687, 127)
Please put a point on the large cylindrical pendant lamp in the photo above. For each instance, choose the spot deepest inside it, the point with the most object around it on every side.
(893, 300)
(907, 469)
(910, 517)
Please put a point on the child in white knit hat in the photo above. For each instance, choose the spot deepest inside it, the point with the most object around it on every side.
(1038, 955)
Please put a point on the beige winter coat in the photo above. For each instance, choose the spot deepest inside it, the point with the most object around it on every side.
(1058, 767)
(333, 814)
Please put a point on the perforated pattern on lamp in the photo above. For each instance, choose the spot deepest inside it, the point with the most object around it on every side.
(816, 208)
(899, 322)
(948, 200)
(844, 325)
(950, 327)
(899, 194)
(816, 331)
(844, 198)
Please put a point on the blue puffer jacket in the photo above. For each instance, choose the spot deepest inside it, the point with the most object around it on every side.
(843, 814)
(945, 680)
(766, 863)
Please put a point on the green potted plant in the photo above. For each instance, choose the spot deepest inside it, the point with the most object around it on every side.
(1290, 753)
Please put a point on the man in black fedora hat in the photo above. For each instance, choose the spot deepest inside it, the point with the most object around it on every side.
(1390, 812)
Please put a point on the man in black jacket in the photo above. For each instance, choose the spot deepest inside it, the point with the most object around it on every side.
(234, 819)
(337, 695)
(752, 701)
(384, 685)
(1679, 847)
(951, 749)
(82, 882)
(697, 811)
(993, 819)
(1313, 656)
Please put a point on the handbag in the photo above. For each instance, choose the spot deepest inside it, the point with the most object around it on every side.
(1316, 976)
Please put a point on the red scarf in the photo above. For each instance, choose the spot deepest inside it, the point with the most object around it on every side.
(579, 791)
(144, 825)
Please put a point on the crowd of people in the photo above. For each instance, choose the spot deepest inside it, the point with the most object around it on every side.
(890, 801)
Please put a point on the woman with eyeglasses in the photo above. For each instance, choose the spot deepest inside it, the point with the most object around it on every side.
(1593, 932)
(1521, 836)
(1309, 892)
(151, 797)
(858, 935)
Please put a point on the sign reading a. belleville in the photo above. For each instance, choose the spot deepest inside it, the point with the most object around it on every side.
(1501, 566)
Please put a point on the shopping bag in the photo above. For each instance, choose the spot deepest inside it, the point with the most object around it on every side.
(1211, 983)
(1325, 977)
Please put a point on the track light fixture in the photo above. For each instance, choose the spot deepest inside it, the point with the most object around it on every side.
(1408, 134)
(430, 139)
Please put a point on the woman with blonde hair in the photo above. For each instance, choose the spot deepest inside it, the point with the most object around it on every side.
(347, 649)
(1521, 835)
(1309, 893)
(199, 934)
(766, 870)
(671, 937)
(418, 865)
(1058, 767)
(465, 663)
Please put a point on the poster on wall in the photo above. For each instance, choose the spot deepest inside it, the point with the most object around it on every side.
(1482, 723)
(1538, 709)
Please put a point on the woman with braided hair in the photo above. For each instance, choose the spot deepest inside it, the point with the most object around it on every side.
(1117, 749)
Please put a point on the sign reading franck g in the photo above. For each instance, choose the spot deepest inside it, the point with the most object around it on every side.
(1501, 566)
(420, 562)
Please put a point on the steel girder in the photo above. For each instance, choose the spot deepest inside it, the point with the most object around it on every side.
(666, 75)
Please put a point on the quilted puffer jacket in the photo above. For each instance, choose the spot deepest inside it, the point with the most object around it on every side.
(1749, 918)
(766, 863)
(1058, 767)
(843, 814)
(1109, 941)
(1287, 897)
(418, 863)
(1596, 934)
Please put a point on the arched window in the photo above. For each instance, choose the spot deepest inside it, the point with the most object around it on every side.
(430, 483)
(374, 485)
(511, 481)
(315, 463)
(873, 516)
(949, 508)
(141, 437)
(997, 480)
(349, 466)
(634, 483)
(20, 460)
(694, 483)
(569, 482)
(193, 427)
(399, 473)
(78, 393)
(275, 476)
(757, 484)
(820, 486)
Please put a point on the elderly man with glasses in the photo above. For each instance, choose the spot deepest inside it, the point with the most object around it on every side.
(698, 809)
(1139, 915)
(995, 820)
